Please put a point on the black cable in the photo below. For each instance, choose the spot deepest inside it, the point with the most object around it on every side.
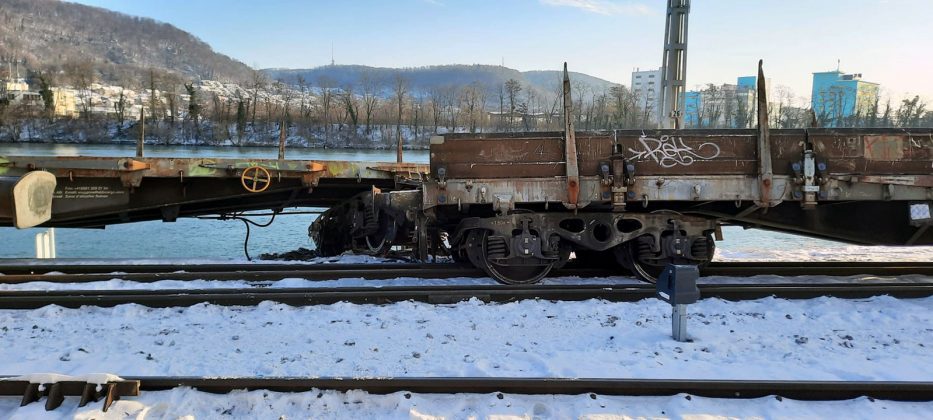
(241, 217)
(246, 240)
(248, 222)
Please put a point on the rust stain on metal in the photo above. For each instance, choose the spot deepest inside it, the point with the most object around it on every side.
(570, 147)
(884, 148)
(765, 172)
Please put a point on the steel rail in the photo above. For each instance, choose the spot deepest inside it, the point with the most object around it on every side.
(710, 388)
(440, 294)
(15, 274)
(802, 390)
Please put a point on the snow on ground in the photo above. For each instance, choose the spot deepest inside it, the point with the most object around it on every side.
(837, 252)
(822, 339)
(187, 403)
(830, 339)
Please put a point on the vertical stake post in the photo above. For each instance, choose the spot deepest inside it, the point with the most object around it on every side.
(45, 244)
(142, 132)
(679, 322)
(282, 129)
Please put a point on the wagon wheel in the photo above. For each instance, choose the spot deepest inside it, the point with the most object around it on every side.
(627, 256)
(508, 271)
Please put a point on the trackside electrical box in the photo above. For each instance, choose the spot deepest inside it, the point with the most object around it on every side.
(677, 284)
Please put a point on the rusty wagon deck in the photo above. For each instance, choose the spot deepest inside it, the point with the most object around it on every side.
(855, 185)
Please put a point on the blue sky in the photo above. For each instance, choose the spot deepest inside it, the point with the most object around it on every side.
(888, 41)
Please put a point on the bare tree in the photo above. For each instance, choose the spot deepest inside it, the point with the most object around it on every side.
(170, 84)
(501, 95)
(119, 109)
(473, 99)
(450, 98)
(435, 97)
(400, 90)
(258, 82)
(371, 90)
(711, 107)
(530, 109)
(624, 107)
(910, 112)
(351, 105)
(285, 95)
(154, 102)
(302, 91)
(326, 98)
(82, 74)
(512, 88)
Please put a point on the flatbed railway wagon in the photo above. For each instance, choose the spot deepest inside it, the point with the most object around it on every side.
(518, 204)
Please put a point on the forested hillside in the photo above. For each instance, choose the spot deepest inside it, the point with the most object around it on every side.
(48, 34)
(427, 79)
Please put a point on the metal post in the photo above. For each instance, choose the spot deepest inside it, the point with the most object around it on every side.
(570, 147)
(51, 243)
(765, 173)
(142, 132)
(679, 322)
(45, 244)
(40, 252)
(674, 64)
(282, 129)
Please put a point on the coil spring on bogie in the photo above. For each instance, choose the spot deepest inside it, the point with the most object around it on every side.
(700, 249)
(496, 247)
(644, 250)
(370, 222)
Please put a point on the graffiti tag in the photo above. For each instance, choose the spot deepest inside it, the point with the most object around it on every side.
(669, 151)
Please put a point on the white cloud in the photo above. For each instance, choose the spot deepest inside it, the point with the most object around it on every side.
(602, 7)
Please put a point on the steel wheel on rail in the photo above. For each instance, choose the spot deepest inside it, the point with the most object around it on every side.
(483, 251)
(627, 256)
(638, 257)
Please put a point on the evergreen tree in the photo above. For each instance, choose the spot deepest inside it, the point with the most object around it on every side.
(48, 97)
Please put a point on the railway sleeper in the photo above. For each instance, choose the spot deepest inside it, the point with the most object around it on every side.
(55, 392)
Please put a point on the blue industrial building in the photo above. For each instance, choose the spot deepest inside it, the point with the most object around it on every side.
(747, 82)
(838, 98)
(739, 97)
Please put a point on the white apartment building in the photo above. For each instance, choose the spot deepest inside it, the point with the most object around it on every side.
(646, 86)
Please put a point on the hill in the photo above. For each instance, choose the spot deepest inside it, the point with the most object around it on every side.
(46, 34)
(424, 79)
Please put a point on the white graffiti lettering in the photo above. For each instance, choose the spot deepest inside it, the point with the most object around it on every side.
(669, 151)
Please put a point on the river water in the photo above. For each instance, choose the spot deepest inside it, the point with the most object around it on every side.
(211, 239)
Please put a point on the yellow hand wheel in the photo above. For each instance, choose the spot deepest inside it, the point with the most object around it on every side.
(256, 179)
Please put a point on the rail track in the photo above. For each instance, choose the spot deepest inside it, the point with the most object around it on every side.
(75, 273)
(440, 294)
(732, 389)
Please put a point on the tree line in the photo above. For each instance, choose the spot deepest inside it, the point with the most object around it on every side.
(378, 111)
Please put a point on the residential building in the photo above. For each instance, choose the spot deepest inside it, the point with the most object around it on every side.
(748, 83)
(839, 98)
(16, 91)
(64, 102)
(646, 86)
(723, 106)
